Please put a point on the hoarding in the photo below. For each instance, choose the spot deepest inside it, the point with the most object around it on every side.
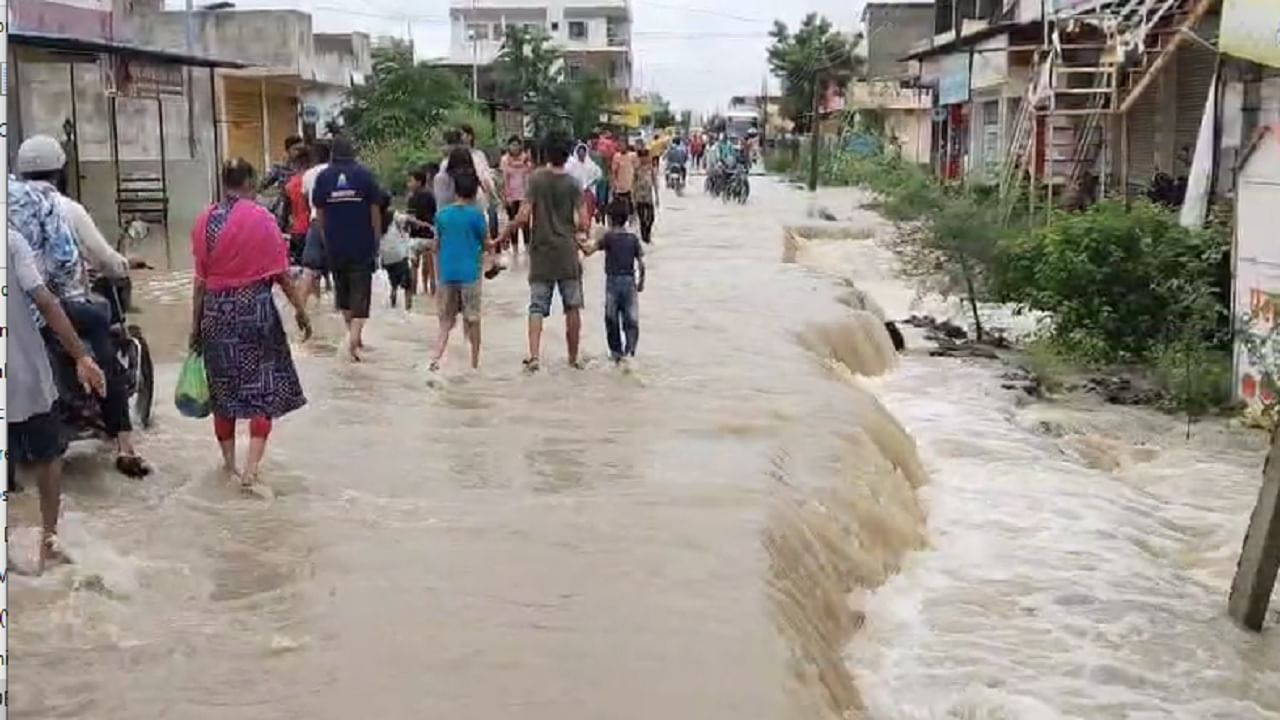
(953, 80)
(1251, 30)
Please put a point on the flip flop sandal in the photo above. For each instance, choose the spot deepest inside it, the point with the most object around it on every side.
(133, 466)
(52, 552)
(531, 365)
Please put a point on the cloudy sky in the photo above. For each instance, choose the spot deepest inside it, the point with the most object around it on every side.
(697, 53)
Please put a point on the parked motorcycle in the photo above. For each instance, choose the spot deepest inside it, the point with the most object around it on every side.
(81, 412)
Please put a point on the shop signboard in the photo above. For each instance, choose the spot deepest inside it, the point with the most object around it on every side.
(953, 80)
(1250, 29)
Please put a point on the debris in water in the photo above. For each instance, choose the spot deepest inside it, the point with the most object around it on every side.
(281, 644)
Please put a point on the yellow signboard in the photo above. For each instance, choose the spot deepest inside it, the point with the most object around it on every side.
(1251, 30)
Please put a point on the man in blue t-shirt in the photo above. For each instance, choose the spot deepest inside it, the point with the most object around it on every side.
(346, 198)
(460, 227)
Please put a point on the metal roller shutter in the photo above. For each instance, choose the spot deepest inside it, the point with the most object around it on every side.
(282, 121)
(1195, 79)
(1142, 139)
(243, 116)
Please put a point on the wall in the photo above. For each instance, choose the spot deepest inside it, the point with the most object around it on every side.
(1257, 269)
(42, 92)
(554, 19)
(276, 42)
(913, 131)
(892, 30)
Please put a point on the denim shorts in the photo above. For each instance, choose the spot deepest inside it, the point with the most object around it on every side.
(540, 296)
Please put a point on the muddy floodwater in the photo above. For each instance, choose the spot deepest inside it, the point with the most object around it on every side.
(769, 516)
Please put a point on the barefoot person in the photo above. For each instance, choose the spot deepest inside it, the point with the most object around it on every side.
(461, 230)
(239, 257)
(36, 437)
(551, 208)
(347, 200)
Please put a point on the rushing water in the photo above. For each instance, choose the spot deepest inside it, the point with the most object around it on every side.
(771, 516)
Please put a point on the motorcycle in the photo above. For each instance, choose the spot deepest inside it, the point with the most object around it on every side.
(80, 411)
(675, 180)
(737, 187)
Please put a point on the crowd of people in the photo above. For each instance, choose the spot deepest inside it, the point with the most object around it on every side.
(329, 223)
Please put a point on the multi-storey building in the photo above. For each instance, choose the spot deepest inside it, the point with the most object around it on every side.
(593, 35)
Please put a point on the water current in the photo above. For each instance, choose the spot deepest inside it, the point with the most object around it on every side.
(770, 516)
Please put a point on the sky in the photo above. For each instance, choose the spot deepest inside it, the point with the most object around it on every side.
(695, 53)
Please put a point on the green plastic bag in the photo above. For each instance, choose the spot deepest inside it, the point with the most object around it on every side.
(192, 393)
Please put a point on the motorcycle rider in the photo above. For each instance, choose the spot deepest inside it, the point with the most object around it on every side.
(678, 159)
(57, 228)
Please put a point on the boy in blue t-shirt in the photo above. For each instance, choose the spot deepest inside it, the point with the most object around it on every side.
(463, 238)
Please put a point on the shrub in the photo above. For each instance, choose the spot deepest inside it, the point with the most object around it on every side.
(1119, 282)
(1193, 377)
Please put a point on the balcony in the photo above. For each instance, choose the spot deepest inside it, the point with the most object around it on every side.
(871, 95)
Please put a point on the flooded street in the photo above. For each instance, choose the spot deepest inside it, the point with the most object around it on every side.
(753, 523)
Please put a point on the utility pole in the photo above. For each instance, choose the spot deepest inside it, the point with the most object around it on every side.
(815, 135)
(475, 56)
(1260, 557)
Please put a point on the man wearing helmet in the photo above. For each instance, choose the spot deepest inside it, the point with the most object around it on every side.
(64, 238)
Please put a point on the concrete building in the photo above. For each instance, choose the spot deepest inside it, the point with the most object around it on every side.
(891, 88)
(137, 122)
(1090, 99)
(147, 117)
(594, 35)
(296, 83)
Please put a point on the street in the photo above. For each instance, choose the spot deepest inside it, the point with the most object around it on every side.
(739, 527)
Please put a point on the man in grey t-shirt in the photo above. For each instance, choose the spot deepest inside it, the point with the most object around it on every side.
(36, 438)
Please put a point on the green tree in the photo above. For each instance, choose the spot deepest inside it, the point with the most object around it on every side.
(403, 100)
(585, 98)
(814, 58)
(529, 71)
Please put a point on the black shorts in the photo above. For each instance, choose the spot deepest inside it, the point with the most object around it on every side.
(38, 439)
(513, 209)
(400, 274)
(352, 289)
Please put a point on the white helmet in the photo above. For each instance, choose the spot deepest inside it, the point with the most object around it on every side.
(40, 153)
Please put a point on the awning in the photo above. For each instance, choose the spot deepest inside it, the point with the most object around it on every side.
(68, 43)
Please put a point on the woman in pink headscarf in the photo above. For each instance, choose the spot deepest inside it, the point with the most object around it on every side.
(240, 256)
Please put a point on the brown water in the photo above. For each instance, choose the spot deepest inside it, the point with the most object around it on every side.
(734, 529)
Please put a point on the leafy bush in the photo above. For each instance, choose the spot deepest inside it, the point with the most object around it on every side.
(392, 161)
(1119, 281)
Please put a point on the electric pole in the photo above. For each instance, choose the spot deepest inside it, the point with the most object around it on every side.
(815, 135)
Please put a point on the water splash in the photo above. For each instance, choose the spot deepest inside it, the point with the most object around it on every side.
(828, 548)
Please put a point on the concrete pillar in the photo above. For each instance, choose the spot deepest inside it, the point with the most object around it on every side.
(1260, 556)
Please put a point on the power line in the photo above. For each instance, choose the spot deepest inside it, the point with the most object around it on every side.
(705, 11)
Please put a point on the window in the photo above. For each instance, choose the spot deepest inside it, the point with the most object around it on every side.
(555, 26)
(477, 31)
(573, 71)
(577, 30)
(499, 33)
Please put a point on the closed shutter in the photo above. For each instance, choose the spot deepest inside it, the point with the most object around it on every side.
(1142, 139)
(243, 106)
(282, 121)
(1195, 80)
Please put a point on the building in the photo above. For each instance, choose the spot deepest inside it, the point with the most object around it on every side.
(1074, 97)
(149, 106)
(296, 81)
(593, 35)
(891, 87)
(137, 121)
